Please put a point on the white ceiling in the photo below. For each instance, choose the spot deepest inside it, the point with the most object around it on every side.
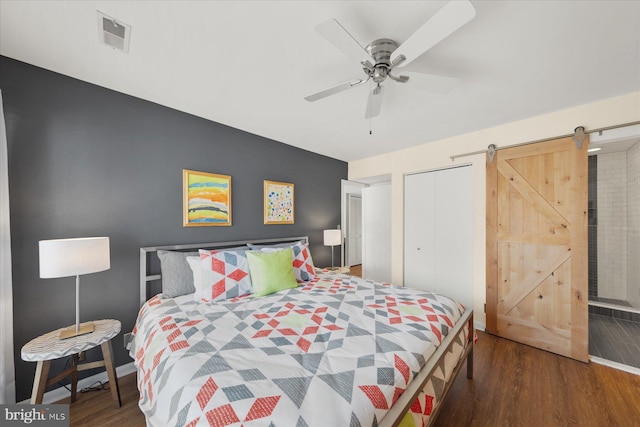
(248, 64)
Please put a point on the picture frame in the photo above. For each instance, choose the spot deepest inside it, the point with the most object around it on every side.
(278, 202)
(206, 199)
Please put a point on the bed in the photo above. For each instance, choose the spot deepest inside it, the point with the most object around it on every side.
(333, 350)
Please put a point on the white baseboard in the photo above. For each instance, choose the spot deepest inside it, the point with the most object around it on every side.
(61, 393)
(479, 326)
(615, 365)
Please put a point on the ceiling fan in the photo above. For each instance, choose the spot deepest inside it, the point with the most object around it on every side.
(387, 55)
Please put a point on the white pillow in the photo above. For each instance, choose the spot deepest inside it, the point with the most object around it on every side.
(196, 269)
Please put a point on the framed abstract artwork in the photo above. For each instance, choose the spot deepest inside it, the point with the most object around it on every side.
(206, 199)
(278, 202)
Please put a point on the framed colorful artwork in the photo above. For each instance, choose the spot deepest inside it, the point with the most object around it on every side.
(278, 202)
(206, 199)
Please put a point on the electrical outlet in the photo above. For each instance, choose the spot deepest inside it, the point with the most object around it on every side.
(127, 341)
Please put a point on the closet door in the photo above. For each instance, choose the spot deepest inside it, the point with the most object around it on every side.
(438, 245)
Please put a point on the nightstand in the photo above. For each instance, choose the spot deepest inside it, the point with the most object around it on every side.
(49, 347)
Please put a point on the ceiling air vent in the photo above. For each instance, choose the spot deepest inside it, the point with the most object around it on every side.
(113, 32)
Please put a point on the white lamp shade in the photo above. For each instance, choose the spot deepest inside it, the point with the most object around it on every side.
(71, 257)
(332, 237)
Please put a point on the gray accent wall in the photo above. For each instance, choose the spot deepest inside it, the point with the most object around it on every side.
(88, 161)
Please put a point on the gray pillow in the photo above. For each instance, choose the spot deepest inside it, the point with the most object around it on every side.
(177, 277)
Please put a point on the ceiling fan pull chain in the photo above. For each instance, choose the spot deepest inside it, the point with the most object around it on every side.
(370, 117)
(370, 131)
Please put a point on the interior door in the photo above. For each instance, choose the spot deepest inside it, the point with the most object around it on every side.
(354, 230)
(376, 233)
(537, 246)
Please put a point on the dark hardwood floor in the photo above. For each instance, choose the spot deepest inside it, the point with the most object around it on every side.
(517, 385)
(513, 385)
(96, 409)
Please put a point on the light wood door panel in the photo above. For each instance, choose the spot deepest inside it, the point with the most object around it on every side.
(537, 246)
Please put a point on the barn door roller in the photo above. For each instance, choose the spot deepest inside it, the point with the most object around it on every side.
(579, 136)
(491, 152)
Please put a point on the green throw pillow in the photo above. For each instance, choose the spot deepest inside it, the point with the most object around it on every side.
(271, 271)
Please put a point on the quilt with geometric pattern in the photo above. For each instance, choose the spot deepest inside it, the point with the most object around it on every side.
(336, 351)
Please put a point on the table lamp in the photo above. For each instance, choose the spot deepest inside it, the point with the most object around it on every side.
(73, 257)
(332, 238)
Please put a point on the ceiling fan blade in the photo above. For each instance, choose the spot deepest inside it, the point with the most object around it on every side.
(447, 20)
(374, 104)
(431, 82)
(337, 35)
(334, 90)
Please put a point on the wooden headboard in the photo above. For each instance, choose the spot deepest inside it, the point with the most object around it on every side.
(150, 264)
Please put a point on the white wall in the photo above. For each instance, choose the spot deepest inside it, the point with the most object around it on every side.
(434, 155)
(612, 225)
(633, 225)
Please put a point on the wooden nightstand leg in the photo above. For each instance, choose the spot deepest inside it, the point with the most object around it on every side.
(74, 377)
(107, 354)
(40, 381)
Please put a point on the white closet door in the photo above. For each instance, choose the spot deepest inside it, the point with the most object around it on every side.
(438, 235)
(376, 233)
(419, 218)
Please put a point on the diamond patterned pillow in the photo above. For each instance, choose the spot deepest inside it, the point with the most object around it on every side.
(224, 275)
(302, 261)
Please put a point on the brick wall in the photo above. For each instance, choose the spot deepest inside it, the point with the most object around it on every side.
(612, 225)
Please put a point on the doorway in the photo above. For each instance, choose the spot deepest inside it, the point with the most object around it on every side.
(366, 222)
(614, 246)
(351, 225)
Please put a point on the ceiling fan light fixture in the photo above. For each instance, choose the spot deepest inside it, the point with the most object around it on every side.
(387, 54)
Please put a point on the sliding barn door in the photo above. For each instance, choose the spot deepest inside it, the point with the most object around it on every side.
(537, 246)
